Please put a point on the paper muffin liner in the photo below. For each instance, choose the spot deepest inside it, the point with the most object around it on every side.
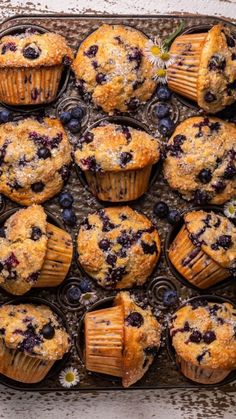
(182, 76)
(58, 258)
(119, 186)
(29, 86)
(104, 340)
(193, 264)
(20, 367)
(199, 374)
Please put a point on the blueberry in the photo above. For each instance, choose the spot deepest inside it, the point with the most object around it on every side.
(85, 285)
(173, 216)
(66, 200)
(73, 294)
(125, 158)
(92, 51)
(163, 93)
(48, 331)
(134, 319)
(104, 244)
(77, 113)
(195, 336)
(31, 52)
(36, 233)
(44, 153)
(74, 126)
(133, 104)
(111, 259)
(162, 110)
(5, 116)
(101, 78)
(230, 41)
(166, 126)
(161, 209)
(229, 172)
(37, 187)
(148, 249)
(3, 232)
(69, 217)
(209, 336)
(65, 117)
(217, 63)
(205, 176)
(225, 241)
(209, 97)
(170, 298)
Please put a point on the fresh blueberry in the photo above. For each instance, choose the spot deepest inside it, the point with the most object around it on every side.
(37, 187)
(73, 294)
(85, 285)
(209, 336)
(5, 116)
(162, 110)
(48, 331)
(69, 217)
(31, 52)
(44, 153)
(74, 126)
(205, 176)
(166, 126)
(161, 209)
(163, 93)
(65, 117)
(173, 216)
(170, 298)
(77, 113)
(134, 319)
(195, 336)
(66, 200)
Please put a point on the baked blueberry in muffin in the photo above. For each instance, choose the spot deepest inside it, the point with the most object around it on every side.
(112, 70)
(118, 247)
(34, 160)
(201, 160)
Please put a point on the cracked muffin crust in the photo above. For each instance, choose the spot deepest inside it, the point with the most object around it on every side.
(201, 160)
(118, 247)
(34, 160)
(111, 68)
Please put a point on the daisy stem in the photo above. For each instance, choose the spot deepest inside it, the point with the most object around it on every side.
(167, 41)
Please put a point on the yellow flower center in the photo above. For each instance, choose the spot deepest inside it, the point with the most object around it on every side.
(161, 72)
(165, 56)
(155, 50)
(69, 377)
(231, 210)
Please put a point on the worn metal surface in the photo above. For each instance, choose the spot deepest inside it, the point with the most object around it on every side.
(187, 404)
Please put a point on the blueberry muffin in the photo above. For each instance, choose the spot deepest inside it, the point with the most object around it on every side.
(205, 69)
(118, 247)
(33, 252)
(31, 66)
(117, 161)
(204, 251)
(203, 336)
(34, 160)
(32, 338)
(201, 160)
(122, 340)
(112, 69)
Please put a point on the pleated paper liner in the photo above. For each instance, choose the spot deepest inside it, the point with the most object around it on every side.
(104, 337)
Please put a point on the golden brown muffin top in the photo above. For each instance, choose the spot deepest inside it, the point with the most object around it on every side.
(34, 50)
(216, 85)
(118, 247)
(142, 335)
(201, 160)
(23, 248)
(112, 69)
(34, 330)
(215, 234)
(116, 148)
(33, 159)
(203, 333)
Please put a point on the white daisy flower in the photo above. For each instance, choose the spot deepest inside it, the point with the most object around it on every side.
(69, 377)
(88, 298)
(167, 59)
(161, 75)
(153, 50)
(230, 208)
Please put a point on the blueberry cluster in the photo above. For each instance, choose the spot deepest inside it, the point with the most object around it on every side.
(72, 119)
(162, 111)
(161, 210)
(74, 293)
(66, 201)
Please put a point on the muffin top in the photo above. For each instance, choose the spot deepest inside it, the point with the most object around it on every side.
(216, 236)
(201, 160)
(142, 335)
(118, 247)
(34, 330)
(203, 333)
(23, 245)
(216, 85)
(116, 148)
(112, 69)
(34, 160)
(33, 49)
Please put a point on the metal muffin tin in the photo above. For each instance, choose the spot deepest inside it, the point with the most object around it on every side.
(163, 373)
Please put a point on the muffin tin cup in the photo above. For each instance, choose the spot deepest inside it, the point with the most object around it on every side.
(33, 368)
(123, 186)
(195, 374)
(209, 282)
